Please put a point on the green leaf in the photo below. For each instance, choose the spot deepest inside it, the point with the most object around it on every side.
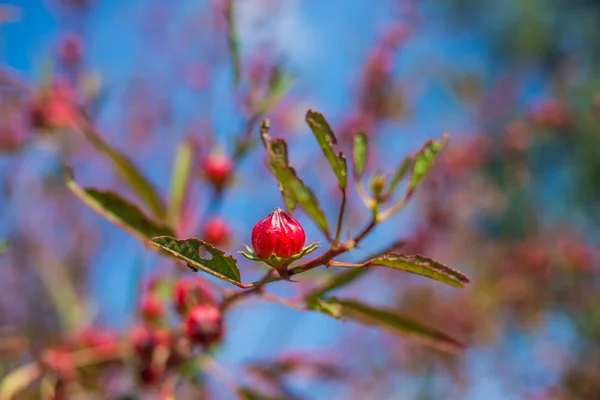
(294, 189)
(398, 324)
(326, 306)
(233, 41)
(3, 246)
(424, 159)
(140, 185)
(322, 131)
(400, 173)
(279, 84)
(278, 148)
(421, 266)
(246, 393)
(360, 154)
(118, 211)
(188, 250)
(337, 280)
(180, 181)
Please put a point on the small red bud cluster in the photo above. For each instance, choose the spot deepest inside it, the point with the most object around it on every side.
(159, 347)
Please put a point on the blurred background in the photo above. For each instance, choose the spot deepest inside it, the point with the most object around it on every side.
(513, 200)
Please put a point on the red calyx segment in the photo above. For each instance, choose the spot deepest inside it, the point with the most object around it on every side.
(278, 234)
(204, 325)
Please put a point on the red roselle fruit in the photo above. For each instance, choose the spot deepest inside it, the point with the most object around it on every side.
(278, 234)
(217, 169)
(216, 231)
(204, 325)
(189, 293)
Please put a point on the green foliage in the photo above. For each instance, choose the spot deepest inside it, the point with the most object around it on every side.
(233, 41)
(424, 159)
(398, 324)
(140, 185)
(278, 148)
(326, 306)
(180, 180)
(400, 173)
(322, 131)
(360, 154)
(421, 266)
(293, 188)
(188, 250)
(118, 211)
(279, 84)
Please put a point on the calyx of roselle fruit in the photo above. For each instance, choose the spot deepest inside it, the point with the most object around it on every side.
(278, 240)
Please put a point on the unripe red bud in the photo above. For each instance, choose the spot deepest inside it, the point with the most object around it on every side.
(190, 293)
(216, 231)
(151, 308)
(278, 234)
(217, 169)
(204, 325)
(146, 339)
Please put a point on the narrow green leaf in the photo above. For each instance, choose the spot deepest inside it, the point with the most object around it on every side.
(326, 306)
(278, 148)
(188, 250)
(360, 154)
(421, 266)
(294, 189)
(118, 211)
(400, 173)
(322, 131)
(279, 85)
(337, 280)
(399, 324)
(424, 159)
(3, 246)
(180, 181)
(233, 41)
(140, 185)
(246, 393)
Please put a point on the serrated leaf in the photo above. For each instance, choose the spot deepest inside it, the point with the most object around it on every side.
(326, 306)
(140, 185)
(424, 159)
(400, 173)
(359, 154)
(399, 324)
(118, 211)
(421, 266)
(324, 135)
(188, 250)
(180, 181)
(278, 147)
(293, 188)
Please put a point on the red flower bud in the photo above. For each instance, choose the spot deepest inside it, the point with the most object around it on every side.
(216, 231)
(151, 308)
(145, 340)
(204, 325)
(278, 234)
(190, 293)
(217, 169)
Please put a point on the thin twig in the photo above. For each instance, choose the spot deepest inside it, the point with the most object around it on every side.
(338, 230)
